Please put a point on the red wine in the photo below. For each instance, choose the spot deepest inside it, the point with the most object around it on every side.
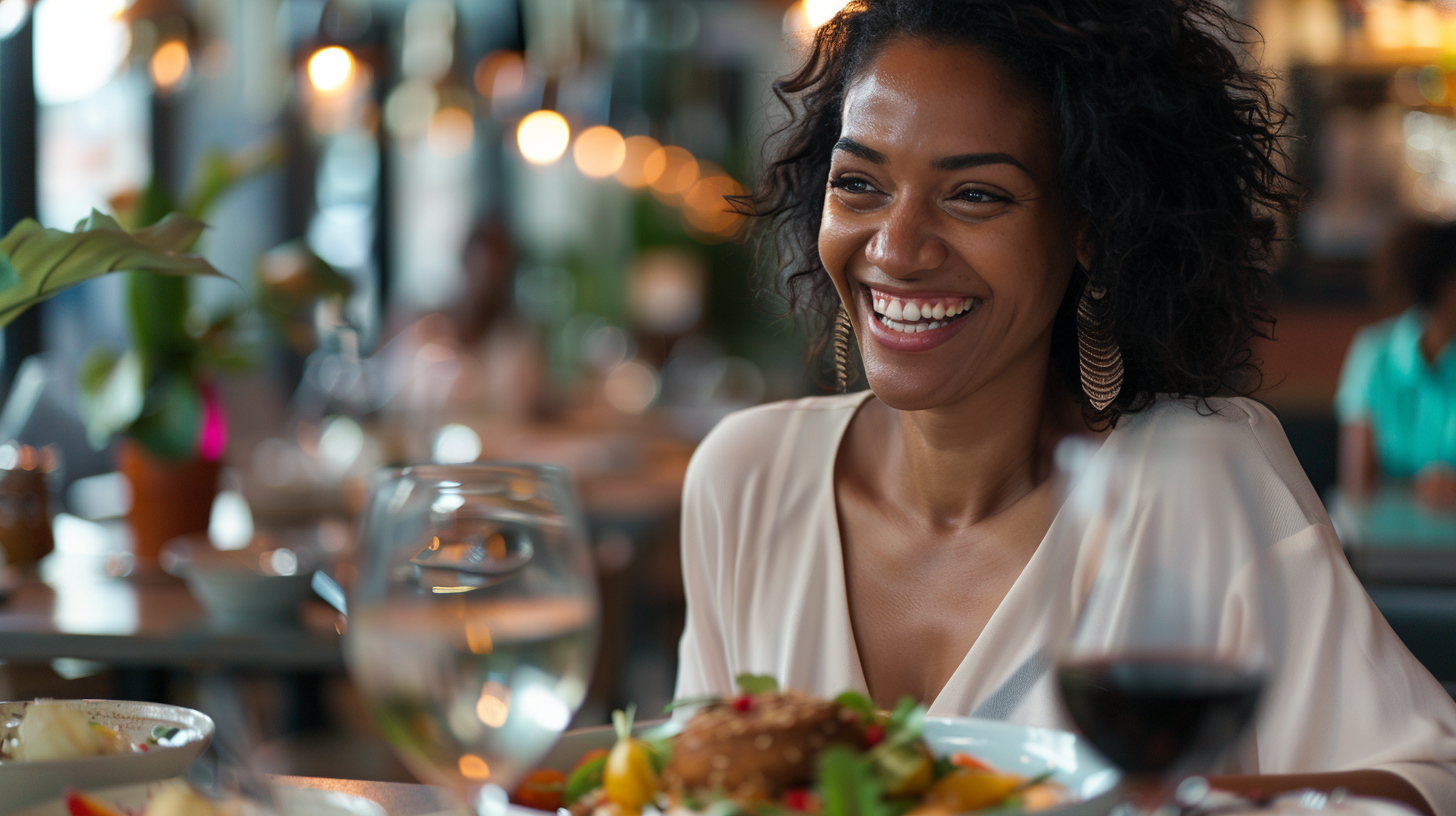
(1156, 716)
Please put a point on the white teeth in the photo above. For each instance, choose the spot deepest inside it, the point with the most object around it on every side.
(906, 316)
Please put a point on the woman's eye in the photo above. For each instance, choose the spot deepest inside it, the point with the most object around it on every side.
(978, 197)
(851, 184)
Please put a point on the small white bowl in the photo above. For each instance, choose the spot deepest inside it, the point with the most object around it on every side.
(259, 585)
(28, 782)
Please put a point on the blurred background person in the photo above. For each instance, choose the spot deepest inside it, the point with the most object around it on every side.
(1396, 402)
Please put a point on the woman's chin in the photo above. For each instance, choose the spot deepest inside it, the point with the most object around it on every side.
(908, 390)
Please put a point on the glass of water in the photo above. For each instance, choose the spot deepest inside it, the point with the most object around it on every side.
(473, 625)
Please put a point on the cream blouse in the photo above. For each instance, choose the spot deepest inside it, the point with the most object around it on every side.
(764, 575)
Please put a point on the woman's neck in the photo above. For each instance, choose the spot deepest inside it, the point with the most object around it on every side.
(959, 464)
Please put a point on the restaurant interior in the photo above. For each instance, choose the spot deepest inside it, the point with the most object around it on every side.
(458, 231)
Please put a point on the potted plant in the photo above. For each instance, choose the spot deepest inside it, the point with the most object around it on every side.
(157, 395)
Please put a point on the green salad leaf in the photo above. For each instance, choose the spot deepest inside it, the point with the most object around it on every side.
(858, 703)
(585, 779)
(756, 683)
(847, 787)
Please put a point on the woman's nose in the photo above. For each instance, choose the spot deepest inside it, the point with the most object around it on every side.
(906, 241)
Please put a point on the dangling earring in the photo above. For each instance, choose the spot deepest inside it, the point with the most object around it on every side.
(843, 331)
(1099, 358)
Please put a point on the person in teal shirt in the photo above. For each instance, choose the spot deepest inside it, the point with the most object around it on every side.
(1397, 396)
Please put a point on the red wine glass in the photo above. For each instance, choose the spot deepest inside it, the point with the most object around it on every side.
(1165, 664)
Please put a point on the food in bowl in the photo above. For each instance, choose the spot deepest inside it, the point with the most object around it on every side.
(173, 799)
(52, 729)
(769, 753)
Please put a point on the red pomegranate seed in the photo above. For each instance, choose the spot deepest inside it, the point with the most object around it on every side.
(800, 799)
(742, 702)
(873, 735)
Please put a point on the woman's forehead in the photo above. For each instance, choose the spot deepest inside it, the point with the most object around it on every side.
(943, 100)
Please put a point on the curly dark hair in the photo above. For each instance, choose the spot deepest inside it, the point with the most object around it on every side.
(1170, 151)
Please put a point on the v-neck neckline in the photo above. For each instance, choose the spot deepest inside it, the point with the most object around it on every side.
(841, 576)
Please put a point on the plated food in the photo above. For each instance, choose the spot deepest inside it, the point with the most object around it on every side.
(55, 729)
(775, 753)
(174, 798)
(47, 746)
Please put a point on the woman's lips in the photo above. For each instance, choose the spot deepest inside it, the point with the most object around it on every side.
(915, 323)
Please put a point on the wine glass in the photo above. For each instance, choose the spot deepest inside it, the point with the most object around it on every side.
(1174, 642)
(473, 625)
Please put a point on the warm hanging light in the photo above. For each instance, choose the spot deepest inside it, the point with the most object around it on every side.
(679, 173)
(820, 12)
(330, 69)
(170, 63)
(543, 136)
(599, 152)
(635, 171)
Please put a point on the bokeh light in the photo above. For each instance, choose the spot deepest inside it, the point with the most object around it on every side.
(500, 74)
(543, 136)
(820, 12)
(678, 174)
(707, 212)
(599, 151)
(170, 63)
(79, 44)
(473, 767)
(634, 171)
(12, 16)
(330, 69)
(631, 387)
(450, 132)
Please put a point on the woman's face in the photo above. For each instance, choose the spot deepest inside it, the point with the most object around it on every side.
(942, 229)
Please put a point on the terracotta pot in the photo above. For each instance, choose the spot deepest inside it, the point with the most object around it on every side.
(168, 499)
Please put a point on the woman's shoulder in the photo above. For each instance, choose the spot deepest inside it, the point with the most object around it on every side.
(1236, 444)
(805, 431)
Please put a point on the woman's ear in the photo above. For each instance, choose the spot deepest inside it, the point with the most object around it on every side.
(1081, 244)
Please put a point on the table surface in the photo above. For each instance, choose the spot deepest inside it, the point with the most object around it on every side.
(140, 624)
(1392, 539)
(399, 799)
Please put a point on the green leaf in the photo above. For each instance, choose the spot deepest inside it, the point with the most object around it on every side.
(659, 753)
(169, 424)
(46, 261)
(585, 779)
(8, 276)
(858, 703)
(113, 394)
(906, 721)
(157, 307)
(847, 786)
(221, 171)
(756, 683)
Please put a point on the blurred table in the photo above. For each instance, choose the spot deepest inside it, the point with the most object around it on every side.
(1392, 539)
(399, 799)
(136, 624)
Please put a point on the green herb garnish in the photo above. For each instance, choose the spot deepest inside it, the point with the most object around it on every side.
(584, 780)
(756, 683)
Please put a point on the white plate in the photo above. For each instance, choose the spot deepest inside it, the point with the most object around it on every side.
(24, 783)
(291, 802)
(1015, 748)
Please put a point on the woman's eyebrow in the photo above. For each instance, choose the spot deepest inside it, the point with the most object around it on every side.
(966, 160)
(960, 162)
(854, 148)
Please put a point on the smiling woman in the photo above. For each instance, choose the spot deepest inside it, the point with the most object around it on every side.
(1033, 219)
